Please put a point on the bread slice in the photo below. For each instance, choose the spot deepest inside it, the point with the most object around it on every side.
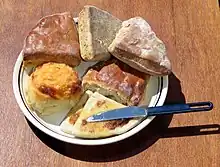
(117, 81)
(53, 39)
(138, 46)
(97, 29)
(77, 125)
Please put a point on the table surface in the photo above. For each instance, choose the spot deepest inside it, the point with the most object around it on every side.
(191, 31)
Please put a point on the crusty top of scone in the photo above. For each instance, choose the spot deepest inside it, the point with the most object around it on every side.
(55, 80)
(54, 38)
(117, 76)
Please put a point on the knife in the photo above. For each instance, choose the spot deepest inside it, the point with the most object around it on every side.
(134, 111)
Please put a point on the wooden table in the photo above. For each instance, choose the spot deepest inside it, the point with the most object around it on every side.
(191, 31)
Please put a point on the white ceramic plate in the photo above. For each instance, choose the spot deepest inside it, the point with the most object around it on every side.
(155, 95)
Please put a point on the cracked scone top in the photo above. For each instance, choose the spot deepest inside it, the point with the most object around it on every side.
(53, 86)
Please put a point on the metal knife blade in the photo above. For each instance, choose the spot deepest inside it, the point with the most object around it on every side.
(121, 113)
(133, 111)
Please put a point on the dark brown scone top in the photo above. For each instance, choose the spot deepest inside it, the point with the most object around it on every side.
(115, 76)
(53, 39)
(123, 66)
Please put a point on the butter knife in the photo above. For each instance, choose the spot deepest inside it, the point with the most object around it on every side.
(134, 111)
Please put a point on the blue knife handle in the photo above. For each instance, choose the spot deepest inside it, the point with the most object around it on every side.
(179, 108)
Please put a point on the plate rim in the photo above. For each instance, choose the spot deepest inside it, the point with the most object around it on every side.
(78, 141)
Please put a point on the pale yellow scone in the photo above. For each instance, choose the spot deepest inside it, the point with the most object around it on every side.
(76, 124)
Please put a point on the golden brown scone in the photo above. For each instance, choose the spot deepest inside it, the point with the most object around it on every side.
(117, 81)
(53, 87)
(53, 39)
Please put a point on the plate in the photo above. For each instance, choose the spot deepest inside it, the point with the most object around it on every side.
(155, 95)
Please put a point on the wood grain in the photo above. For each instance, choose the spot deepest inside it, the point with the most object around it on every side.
(191, 31)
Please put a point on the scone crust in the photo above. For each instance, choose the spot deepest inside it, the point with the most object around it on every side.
(53, 39)
(57, 81)
(119, 78)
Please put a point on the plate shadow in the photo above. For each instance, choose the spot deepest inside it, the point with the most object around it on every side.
(111, 152)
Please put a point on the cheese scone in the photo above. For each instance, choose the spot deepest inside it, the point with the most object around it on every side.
(53, 87)
(77, 125)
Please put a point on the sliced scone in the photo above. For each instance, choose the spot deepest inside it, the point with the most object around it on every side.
(77, 125)
(97, 29)
(117, 81)
(53, 39)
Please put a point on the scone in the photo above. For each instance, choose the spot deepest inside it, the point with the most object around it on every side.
(138, 46)
(53, 87)
(77, 125)
(97, 29)
(53, 39)
(117, 81)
